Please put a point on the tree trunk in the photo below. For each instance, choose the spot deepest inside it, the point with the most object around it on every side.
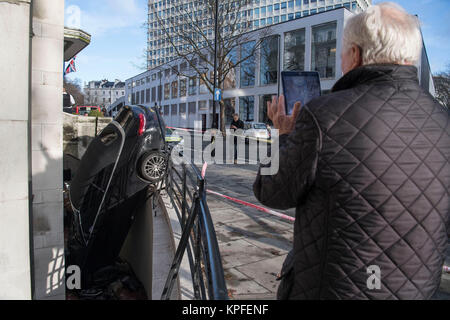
(222, 117)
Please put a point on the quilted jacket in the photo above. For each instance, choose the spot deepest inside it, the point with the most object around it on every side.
(367, 169)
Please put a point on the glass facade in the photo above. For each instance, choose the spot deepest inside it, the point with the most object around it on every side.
(269, 60)
(183, 88)
(323, 46)
(166, 91)
(294, 50)
(174, 89)
(247, 67)
(192, 86)
(230, 109)
(247, 108)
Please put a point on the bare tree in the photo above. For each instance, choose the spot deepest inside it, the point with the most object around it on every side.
(442, 85)
(73, 87)
(188, 30)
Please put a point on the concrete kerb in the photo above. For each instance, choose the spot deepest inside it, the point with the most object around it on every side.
(184, 281)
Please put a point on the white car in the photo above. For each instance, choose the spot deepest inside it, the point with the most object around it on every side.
(257, 130)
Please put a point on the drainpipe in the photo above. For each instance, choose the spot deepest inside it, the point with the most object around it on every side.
(30, 172)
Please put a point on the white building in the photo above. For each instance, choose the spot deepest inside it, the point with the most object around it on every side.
(312, 43)
(253, 14)
(103, 93)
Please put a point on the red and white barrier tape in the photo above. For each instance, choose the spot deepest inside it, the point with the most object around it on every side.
(251, 205)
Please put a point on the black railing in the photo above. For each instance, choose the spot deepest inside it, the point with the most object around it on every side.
(187, 192)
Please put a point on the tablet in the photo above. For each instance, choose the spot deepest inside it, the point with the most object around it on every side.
(300, 87)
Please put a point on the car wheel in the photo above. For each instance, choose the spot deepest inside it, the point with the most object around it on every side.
(153, 166)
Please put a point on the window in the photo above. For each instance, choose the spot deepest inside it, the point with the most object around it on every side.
(147, 96)
(182, 108)
(153, 94)
(291, 4)
(174, 109)
(270, 9)
(269, 60)
(202, 88)
(230, 109)
(142, 96)
(276, 19)
(166, 110)
(166, 91)
(192, 106)
(159, 93)
(174, 89)
(283, 17)
(276, 6)
(323, 55)
(192, 86)
(202, 105)
(294, 50)
(283, 5)
(298, 15)
(263, 11)
(290, 16)
(246, 108)
(182, 88)
(248, 64)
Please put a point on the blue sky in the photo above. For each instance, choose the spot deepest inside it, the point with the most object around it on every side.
(119, 38)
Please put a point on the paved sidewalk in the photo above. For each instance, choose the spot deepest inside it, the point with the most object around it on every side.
(253, 244)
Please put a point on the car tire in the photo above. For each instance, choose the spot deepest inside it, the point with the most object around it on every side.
(152, 166)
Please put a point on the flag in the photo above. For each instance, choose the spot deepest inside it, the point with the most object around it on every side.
(71, 67)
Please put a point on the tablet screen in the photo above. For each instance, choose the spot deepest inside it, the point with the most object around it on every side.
(300, 86)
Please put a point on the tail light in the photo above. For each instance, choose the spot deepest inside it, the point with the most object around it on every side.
(142, 122)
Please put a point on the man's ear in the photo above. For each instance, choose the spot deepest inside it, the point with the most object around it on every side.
(356, 56)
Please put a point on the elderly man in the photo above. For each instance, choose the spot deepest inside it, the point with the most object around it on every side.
(367, 168)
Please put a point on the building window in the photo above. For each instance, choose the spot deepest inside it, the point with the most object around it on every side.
(203, 89)
(294, 50)
(182, 108)
(323, 56)
(159, 93)
(269, 60)
(192, 106)
(247, 108)
(166, 110)
(192, 86)
(143, 96)
(147, 95)
(166, 91)
(283, 18)
(230, 110)
(174, 110)
(174, 89)
(263, 117)
(202, 105)
(182, 88)
(248, 64)
(153, 94)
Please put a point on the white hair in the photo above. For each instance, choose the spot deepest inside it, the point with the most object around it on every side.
(385, 33)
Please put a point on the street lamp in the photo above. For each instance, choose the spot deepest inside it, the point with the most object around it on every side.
(216, 32)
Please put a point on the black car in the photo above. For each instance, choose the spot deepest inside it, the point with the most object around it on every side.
(127, 157)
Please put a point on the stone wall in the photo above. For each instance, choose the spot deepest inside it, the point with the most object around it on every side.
(78, 133)
(15, 177)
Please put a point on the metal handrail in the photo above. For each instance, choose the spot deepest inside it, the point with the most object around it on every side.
(198, 237)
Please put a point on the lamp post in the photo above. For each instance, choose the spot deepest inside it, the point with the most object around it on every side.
(216, 32)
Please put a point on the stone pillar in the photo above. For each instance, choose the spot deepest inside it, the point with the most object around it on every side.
(47, 148)
(15, 275)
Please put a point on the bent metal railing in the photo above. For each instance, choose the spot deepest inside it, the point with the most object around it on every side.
(187, 193)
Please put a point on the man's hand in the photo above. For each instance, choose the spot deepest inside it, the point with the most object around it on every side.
(277, 113)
